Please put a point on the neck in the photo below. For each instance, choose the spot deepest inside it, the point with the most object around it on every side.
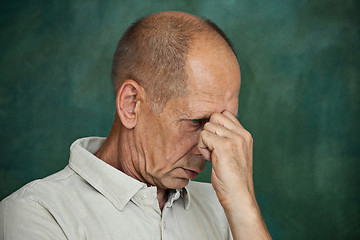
(118, 151)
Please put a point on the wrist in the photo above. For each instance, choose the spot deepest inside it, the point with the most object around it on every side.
(245, 219)
(238, 200)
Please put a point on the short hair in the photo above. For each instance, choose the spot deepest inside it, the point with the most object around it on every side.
(153, 52)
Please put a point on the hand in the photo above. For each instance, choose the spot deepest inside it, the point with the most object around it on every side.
(229, 146)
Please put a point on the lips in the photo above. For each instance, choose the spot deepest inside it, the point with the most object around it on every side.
(191, 174)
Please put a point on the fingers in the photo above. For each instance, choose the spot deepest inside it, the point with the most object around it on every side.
(219, 118)
(241, 135)
(219, 130)
(207, 142)
(222, 127)
(227, 120)
(231, 117)
(219, 121)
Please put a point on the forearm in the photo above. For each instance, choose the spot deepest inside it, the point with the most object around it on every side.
(245, 220)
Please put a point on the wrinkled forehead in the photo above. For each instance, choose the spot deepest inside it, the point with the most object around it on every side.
(212, 90)
(202, 102)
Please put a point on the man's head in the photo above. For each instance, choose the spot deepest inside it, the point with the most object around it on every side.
(195, 75)
(153, 52)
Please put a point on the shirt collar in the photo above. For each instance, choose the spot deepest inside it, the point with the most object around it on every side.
(115, 185)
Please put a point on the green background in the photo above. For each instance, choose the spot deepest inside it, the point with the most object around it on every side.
(299, 97)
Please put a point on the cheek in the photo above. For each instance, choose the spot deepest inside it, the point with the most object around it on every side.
(167, 145)
(151, 138)
(176, 149)
(182, 145)
(191, 138)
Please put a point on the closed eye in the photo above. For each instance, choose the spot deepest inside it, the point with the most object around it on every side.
(195, 121)
(198, 122)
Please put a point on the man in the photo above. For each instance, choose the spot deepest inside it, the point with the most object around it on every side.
(177, 82)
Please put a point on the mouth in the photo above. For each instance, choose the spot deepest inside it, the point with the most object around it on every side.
(191, 174)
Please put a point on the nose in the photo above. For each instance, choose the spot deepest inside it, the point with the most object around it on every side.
(196, 150)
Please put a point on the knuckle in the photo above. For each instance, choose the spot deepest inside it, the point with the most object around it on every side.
(239, 138)
(248, 136)
(242, 140)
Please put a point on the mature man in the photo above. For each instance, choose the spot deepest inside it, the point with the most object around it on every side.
(177, 82)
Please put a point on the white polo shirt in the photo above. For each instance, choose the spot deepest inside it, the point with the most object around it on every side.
(90, 199)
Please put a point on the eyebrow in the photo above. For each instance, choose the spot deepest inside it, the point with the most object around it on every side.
(203, 116)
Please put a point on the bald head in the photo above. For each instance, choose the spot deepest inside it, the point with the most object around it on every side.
(153, 52)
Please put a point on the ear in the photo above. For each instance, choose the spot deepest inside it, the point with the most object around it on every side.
(128, 101)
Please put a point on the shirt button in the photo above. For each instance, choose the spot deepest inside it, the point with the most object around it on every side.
(164, 225)
(146, 199)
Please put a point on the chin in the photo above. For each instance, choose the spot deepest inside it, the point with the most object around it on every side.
(176, 183)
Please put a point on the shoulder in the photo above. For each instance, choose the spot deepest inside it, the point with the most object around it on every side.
(28, 207)
(44, 193)
(41, 188)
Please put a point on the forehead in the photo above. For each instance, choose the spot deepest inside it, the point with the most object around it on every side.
(213, 84)
(213, 79)
(201, 103)
(216, 78)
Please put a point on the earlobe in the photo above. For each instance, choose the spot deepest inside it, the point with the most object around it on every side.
(128, 103)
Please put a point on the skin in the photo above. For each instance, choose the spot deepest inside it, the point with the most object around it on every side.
(168, 149)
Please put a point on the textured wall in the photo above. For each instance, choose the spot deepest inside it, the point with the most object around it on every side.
(299, 97)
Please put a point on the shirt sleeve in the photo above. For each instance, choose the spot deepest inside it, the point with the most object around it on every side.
(27, 219)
